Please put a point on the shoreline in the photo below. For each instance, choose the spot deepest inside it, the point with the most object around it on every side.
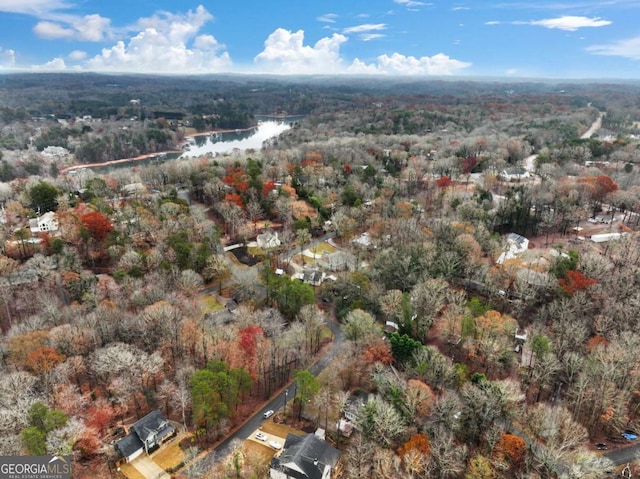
(115, 162)
(152, 155)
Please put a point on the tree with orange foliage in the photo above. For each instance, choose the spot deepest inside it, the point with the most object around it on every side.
(511, 447)
(234, 198)
(88, 445)
(44, 359)
(378, 352)
(413, 450)
(21, 346)
(575, 281)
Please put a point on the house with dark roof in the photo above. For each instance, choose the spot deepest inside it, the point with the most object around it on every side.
(304, 457)
(145, 435)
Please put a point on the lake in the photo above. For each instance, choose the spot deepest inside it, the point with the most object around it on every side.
(212, 143)
(220, 143)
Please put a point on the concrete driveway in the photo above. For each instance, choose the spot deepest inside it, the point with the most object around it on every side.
(149, 469)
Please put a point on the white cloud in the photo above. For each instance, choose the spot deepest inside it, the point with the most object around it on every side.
(568, 23)
(77, 55)
(328, 18)
(628, 48)
(412, 3)
(57, 64)
(365, 27)
(31, 7)
(207, 42)
(571, 23)
(285, 52)
(367, 37)
(457, 9)
(7, 58)
(163, 47)
(92, 28)
(398, 64)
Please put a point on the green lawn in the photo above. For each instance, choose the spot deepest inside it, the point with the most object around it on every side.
(210, 304)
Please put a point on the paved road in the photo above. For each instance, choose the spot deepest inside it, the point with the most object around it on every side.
(624, 455)
(276, 403)
(530, 161)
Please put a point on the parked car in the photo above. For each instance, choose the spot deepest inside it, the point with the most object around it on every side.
(601, 446)
(261, 436)
(275, 445)
(268, 414)
(629, 437)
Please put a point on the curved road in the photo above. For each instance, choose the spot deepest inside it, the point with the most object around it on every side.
(530, 161)
(223, 449)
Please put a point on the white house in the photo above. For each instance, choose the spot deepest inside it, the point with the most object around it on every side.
(268, 240)
(603, 238)
(514, 174)
(515, 245)
(46, 223)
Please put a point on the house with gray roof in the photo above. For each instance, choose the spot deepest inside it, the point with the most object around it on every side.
(304, 457)
(145, 435)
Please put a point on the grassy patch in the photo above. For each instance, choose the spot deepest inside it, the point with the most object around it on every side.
(130, 472)
(169, 455)
(280, 430)
(325, 334)
(322, 248)
(210, 304)
(255, 251)
(253, 448)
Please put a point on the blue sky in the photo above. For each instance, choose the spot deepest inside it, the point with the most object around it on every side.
(531, 39)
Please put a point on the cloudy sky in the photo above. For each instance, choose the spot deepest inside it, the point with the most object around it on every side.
(529, 38)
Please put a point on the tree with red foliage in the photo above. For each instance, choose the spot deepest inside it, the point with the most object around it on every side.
(468, 164)
(238, 178)
(234, 198)
(249, 339)
(101, 416)
(575, 281)
(87, 446)
(268, 187)
(97, 225)
(347, 169)
(444, 182)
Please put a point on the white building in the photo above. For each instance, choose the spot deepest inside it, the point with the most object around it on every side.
(47, 223)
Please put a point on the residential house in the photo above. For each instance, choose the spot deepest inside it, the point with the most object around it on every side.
(268, 240)
(47, 223)
(313, 277)
(304, 457)
(515, 244)
(516, 173)
(145, 435)
(338, 261)
(604, 237)
(351, 410)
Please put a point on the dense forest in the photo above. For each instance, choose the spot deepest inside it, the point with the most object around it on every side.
(394, 203)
